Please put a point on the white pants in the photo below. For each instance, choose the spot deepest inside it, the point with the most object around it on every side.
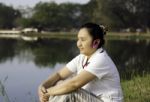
(77, 96)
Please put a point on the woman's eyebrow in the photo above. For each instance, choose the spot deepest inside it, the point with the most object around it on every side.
(82, 37)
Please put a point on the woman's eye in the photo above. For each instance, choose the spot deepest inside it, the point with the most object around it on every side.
(82, 39)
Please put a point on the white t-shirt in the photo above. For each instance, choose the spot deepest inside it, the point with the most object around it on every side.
(107, 83)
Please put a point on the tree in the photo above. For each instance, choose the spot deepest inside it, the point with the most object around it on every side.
(121, 13)
(54, 17)
(59, 17)
(8, 15)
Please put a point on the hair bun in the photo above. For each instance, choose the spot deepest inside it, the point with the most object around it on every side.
(103, 28)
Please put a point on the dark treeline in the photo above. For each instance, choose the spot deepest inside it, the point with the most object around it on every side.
(8, 16)
(116, 14)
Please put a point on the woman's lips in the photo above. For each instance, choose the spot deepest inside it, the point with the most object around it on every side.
(80, 48)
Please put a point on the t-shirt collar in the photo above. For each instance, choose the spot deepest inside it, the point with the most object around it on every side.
(99, 50)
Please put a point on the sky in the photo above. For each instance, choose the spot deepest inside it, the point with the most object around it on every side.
(31, 3)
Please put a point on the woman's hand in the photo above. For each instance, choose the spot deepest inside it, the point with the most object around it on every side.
(46, 97)
(41, 92)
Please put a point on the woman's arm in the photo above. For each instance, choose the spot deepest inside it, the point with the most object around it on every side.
(53, 79)
(72, 84)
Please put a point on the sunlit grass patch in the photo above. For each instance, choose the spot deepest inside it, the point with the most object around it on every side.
(137, 89)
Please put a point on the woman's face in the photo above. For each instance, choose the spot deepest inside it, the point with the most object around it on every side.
(84, 42)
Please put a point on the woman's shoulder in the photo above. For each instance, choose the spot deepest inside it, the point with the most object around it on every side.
(80, 56)
(100, 54)
(100, 58)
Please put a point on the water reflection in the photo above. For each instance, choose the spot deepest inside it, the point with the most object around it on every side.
(131, 57)
(7, 51)
(43, 52)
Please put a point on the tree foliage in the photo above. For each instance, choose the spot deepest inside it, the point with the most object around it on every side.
(8, 15)
(122, 13)
(116, 14)
(54, 16)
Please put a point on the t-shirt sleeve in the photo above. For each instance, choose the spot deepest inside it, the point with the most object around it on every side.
(98, 67)
(72, 65)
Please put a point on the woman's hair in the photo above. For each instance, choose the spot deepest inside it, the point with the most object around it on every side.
(96, 31)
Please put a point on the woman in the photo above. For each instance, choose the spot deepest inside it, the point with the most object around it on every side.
(95, 79)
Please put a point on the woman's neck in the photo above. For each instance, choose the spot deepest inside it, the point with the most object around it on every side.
(88, 56)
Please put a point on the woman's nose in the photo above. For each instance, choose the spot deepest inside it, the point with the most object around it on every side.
(78, 43)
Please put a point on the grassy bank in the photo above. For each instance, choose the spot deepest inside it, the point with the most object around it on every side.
(127, 36)
(73, 35)
(137, 89)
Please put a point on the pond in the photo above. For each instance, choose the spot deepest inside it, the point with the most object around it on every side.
(24, 65)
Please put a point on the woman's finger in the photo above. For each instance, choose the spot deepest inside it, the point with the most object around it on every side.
(41, 99)
(45, 99)
(43, 89)
(46, 96)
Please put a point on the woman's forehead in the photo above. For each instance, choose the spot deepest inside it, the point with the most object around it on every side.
(83, 33)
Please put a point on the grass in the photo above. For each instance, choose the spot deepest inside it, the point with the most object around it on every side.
(127, 36)
(3, 93)
(73, 35)
(137, 89)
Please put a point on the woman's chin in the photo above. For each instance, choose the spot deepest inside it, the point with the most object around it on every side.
(81, 52)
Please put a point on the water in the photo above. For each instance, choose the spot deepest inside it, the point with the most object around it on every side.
(24, 65)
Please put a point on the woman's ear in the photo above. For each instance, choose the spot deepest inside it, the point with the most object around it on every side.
(95, 43)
